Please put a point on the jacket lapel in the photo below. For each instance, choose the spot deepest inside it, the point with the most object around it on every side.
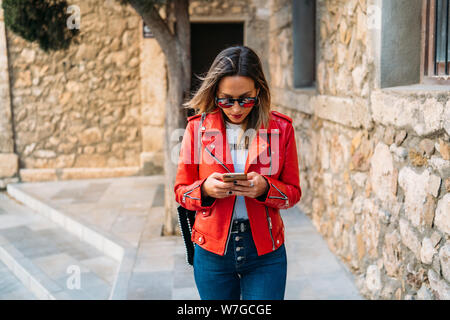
(214, 140)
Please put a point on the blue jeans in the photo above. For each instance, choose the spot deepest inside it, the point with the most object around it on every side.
(240, 273)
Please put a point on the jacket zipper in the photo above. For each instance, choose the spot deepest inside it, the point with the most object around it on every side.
(232, 212)
(187, 192)
(229, 228)
(270, 157)
(269, 221)
(217, 159)
(284, 196)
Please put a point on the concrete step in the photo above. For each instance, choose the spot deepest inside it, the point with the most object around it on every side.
(11, 288)
(51, 262)
(112, 214)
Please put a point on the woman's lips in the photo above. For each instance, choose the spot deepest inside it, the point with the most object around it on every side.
(236, 116)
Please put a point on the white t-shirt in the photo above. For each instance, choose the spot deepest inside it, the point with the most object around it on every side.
(239, 156)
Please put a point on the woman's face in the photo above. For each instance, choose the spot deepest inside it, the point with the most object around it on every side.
(236, 87)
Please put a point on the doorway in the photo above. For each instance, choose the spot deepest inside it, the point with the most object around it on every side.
(207, 40)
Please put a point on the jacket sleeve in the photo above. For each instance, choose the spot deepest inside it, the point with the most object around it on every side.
(187, 183)
(285, 191)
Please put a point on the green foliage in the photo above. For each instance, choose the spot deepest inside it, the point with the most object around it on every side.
(44, 21)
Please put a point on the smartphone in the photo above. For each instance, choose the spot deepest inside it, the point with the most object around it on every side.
(227, 177)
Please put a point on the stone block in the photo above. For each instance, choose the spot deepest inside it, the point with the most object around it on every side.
(409, 238)
(373, 280)
(424, 293)
(415, 186)
(444, 258)
(402, 111)
(350, 112)
(392, 253)
(427, 251)
(383, 175)
(9, 165)
(434, 184)
(442, 218)
(439, 286)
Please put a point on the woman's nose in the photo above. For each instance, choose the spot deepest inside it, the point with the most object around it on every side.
(236, 106)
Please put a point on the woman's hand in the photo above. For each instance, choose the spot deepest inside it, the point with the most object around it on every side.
(215, 187)
(253, 187)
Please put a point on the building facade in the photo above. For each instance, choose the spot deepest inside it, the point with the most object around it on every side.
(372, 128)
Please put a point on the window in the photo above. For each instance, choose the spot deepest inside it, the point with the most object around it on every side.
(304, 22)
(400, 43)
(436, 51)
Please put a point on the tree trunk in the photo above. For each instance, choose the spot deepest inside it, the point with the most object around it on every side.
(179, 69)
(176, 48)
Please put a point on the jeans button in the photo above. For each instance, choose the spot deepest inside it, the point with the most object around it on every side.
(240, 258)
(238, 249)
(237, 238)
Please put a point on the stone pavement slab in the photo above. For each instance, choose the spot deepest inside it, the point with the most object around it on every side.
(40, 251)
(11, 288)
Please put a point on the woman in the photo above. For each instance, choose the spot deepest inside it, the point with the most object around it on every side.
(238, 231)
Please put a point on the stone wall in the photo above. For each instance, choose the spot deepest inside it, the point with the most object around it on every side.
(80, 108)
(9, 161)
(374, 162)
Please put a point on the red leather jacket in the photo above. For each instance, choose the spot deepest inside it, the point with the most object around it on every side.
(273, 154)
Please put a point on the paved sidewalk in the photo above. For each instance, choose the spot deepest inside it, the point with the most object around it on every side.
(36, 248)
(11, 288)
(130, 211)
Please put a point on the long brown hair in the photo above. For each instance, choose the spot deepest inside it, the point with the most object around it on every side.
(234, 61)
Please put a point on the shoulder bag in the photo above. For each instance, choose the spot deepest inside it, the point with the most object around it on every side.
(186, 218)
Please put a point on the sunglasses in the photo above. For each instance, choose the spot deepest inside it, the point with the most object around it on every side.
(247, 102)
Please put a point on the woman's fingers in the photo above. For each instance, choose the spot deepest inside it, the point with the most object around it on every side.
(216, 176)
(221, 189)
(241, 188)
(224, 185)
(245, 183)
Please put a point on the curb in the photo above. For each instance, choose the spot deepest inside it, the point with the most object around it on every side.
(106, 243)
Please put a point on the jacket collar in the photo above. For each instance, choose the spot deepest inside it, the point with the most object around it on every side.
(213, 127)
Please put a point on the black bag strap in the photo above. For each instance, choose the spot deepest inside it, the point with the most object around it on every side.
(186, 218)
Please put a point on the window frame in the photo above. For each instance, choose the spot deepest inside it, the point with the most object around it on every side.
(429, 66)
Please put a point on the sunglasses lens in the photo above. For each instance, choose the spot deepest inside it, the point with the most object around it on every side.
(224, 103)
(228, 103)
(248, 103)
